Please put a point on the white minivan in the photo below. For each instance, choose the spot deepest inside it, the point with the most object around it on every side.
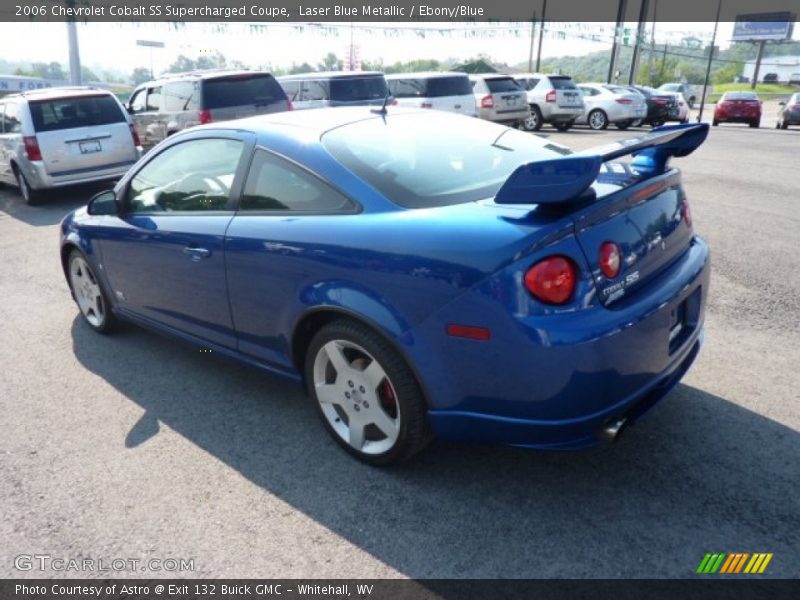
(441, 91)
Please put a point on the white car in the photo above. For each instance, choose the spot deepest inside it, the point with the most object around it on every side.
(441, 91)
(607, 103)
(682, 114)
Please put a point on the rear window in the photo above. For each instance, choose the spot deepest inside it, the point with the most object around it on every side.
(563, 83)
(68, 113)
(430, 87)
(242, 90)
(503, 84)
(357, 89)
(739, 96)
(420, 161)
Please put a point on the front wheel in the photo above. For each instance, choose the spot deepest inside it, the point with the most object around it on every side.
(366, 394)
(784, 125)
(755, 124)
(597, 120)
(715, 123)
(88, 294)
(534, 121)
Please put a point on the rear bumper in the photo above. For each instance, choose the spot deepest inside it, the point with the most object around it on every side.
(558, 114)
(553, 382)
(505, 116)
(39, 178)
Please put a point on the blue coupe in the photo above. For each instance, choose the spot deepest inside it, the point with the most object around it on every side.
(423, 274)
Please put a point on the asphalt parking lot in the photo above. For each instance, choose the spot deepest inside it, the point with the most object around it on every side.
(136, 446)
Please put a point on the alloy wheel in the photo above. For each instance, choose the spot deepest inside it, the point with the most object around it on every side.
(87, 291)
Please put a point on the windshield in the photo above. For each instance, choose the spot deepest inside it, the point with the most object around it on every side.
(242, 90)
(421, 161)
(68, 113)
(739, 96)
(563, 83)
(670, 87)
(503, 84)
(356, 89)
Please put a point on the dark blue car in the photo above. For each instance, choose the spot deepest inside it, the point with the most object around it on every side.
(424, 274)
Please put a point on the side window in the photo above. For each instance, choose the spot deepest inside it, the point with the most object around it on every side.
(315, 89)
(276, 184)
(180, 96)
(2, 109)
(11, 121)
(292, 89)
(154, 98)
(193, 176)
(136, 103)
(407, 88)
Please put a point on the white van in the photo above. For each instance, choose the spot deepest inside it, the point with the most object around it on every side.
(441, 91)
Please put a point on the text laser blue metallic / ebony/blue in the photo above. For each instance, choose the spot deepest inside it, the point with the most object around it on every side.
(424, 274)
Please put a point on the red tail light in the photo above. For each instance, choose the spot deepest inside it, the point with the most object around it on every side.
(32, 147)
(624, 101)
(205, 116)
(487, 102)
(426, 105)
(552, 280)
(686, 212)
(551, 96)
(289, 105)
(661, 101)
(610, 259)
(135, 136)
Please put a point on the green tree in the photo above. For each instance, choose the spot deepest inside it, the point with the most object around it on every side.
(304, 68)
(140, 75)
(330, 63)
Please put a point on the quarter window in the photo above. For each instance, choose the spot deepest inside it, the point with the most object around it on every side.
(180, 96)
(137, 104)
(193, 176)
(276, 184)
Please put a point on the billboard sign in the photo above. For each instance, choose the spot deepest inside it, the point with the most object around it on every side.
(776, 26)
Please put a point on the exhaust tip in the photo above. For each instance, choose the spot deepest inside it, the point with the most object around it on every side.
(612, 431)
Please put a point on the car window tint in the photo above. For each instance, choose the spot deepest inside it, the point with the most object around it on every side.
(68, 113)
(314, 89)
(292, 89)
(137, 103)
(409, 160)
(439, 87)
(358, 89)
(249, 89)
(502, 84)
(407, 88)
(180, 96)
(529, 83)
(276, 184)
(563, 83)
(154, 98)
(192, 176)
(11, 121)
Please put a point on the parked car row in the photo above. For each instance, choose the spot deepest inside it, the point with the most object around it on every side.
(63, 136)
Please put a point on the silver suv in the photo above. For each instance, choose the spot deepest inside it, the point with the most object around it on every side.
(499, 98)
(553, 99)
(335, 88)
(175, 102)
(64, 136)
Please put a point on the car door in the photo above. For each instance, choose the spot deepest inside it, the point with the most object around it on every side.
(145, 106)
(272, 250)
(164, 255)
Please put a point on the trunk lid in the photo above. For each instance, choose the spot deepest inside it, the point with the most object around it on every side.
(567, 93)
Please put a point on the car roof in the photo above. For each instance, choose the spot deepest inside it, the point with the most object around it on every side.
(426, 75)
(58, 92)
(490, 76)
(331, 75)
(540, 75)
(201, 75)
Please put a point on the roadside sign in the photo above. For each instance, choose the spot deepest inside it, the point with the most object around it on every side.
(763, 26)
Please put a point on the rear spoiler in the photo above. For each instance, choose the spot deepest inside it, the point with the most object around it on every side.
(564, 179)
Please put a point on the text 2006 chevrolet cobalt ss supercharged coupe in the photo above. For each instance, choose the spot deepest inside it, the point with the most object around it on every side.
(424, 274)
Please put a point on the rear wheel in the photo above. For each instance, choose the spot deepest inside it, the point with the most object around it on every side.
(655, 124)
(534, 121)
(366, 394)
(715, 122)
(784, 125)
(88, 294)
(597, 119)
(31, 196)
(755, 124)
(623, 124)
(564, 126)
(637, 122)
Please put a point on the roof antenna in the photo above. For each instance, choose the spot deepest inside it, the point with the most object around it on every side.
(382, 110)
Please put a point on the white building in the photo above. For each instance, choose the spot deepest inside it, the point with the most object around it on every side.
(787, 68)
(11, 84)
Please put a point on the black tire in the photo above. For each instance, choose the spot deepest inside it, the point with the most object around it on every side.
(637, 122)
(684, 121)
(623, 125)
(414, 430)
(715, 123)
(597, 119)
(784, 125)
(31, 196)
(535, 121)
(691, 101)
(109, 322)
(655, 124)
(755, 124)
(564, 126)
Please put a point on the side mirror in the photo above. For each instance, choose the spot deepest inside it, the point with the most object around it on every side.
(104, 203)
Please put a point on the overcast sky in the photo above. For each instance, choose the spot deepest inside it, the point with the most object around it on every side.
(113, 45)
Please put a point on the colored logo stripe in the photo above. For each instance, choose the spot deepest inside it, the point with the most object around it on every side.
(734, 562)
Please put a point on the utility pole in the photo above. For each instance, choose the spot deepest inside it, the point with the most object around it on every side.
(533, 35)
(541, 36)
(612, 67)
(759, 56)
(74, 53)
(652, 44)
(710, 58)
(637, 45)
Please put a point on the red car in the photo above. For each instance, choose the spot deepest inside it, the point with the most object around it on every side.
(738, 107)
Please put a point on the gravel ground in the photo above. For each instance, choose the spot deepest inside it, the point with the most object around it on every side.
(136, 446)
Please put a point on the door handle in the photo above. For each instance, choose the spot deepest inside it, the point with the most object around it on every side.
(197, 253)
